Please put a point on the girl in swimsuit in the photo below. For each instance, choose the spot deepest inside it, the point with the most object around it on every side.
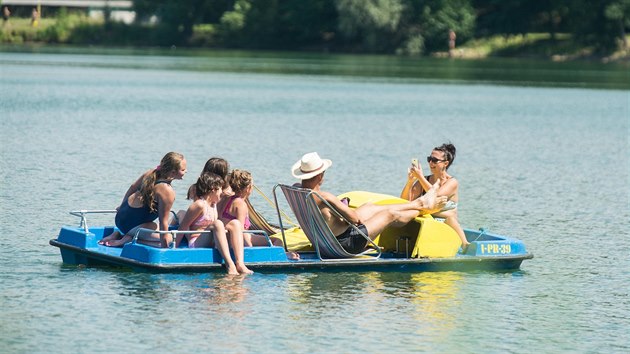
(202, 215)
(235, 213)
(149, 197)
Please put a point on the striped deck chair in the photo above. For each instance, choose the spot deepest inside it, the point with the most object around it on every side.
(258, 221)
(309, 216)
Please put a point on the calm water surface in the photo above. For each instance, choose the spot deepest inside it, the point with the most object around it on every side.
(547, 165)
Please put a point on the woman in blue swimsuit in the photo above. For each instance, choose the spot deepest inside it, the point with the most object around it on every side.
(150, 197)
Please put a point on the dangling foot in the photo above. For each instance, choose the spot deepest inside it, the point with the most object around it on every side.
(293, 256)
(242, 269)
(231, 269)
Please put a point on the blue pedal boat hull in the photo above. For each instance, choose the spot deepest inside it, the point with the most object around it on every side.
(80, 247)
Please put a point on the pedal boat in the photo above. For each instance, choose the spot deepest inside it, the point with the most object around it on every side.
(425, 244)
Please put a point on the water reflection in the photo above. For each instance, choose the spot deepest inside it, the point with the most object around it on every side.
(496, 70)
(225, 290)
(434, 296)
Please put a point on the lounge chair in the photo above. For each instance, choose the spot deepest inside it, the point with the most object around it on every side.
(259, 222)
(309, 216)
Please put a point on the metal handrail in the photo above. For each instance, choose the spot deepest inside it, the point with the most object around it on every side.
(275, 199)
(174, 232)
(82, 214)
(482, 232)
(188, 232)
(287, 218)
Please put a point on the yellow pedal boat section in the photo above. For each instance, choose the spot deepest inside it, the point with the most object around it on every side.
(424, 237)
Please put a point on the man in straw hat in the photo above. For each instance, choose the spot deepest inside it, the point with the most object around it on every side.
(371, 219)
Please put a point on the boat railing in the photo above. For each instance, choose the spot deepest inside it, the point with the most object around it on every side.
(83, 215)
(188, 232)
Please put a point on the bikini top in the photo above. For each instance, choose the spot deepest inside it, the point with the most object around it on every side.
(226, 213)
(208, 216)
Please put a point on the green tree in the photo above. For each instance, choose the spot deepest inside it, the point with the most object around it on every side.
(437, 17)
(619, 12)
(590, 25)
(179, 17)
(519, 16)
(372, 23)
(599, 24)
(278, 24)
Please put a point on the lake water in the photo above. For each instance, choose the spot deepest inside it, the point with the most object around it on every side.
(548, 165)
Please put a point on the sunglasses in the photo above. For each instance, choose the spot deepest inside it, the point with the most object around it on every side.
(434, 159)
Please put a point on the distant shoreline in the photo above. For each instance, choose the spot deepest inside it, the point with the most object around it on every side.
(539, 46)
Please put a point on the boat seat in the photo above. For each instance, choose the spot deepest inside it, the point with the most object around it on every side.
(258, 221)
(309, 217)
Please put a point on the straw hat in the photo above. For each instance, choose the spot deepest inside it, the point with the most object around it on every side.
(310, 166)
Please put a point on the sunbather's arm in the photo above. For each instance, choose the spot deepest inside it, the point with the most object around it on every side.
(343, 209)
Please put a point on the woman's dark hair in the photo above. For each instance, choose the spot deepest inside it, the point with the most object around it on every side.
(216, 165)
(449, 152)
(207, 183)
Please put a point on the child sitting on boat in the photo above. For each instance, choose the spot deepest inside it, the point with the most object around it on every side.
(235, 213)
(150, 197)
(202, 215)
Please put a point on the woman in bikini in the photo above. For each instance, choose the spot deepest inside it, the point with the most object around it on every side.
(441, 159)
(202, 215)
(235, 214)
(150, 197)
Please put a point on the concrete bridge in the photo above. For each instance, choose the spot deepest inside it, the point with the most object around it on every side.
(112, 4)
(119, 10)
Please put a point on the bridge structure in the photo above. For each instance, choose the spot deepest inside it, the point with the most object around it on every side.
(118, 10)
(112, 4)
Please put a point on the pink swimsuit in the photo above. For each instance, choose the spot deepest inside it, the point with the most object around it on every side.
(204, 220)
(226, 214)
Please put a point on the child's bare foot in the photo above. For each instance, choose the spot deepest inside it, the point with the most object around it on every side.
(231, 269)
(293, 256)
(242, 269)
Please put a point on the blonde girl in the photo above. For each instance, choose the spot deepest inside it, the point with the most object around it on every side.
(150, 197)
(235, 213)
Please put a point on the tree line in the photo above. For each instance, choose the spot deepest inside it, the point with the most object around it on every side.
(380, 26)
(408, 27)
